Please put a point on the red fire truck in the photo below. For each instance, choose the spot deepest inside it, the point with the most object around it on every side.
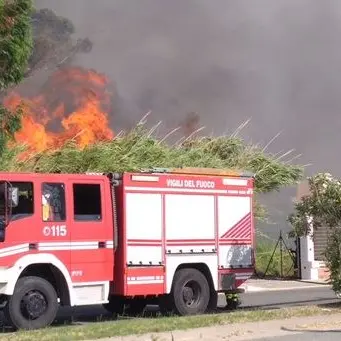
(176, 237)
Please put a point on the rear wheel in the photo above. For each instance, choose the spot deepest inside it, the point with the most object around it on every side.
(33, 305)
(190, 293)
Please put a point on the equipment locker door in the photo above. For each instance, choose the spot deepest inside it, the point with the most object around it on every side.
(91, 235)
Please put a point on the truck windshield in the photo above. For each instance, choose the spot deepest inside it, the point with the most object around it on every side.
(25, 200)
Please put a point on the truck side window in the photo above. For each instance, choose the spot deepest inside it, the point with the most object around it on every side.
(25, 205)
(87, 202)
(53, 202)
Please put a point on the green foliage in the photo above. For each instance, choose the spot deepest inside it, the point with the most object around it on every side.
(15, 40)
(15, 50)
(139, 149)
(10, 123)
(333, 259)
(264, 251)
(322, 208)
(323, 204)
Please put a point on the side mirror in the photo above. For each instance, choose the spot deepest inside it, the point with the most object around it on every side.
(14, 196)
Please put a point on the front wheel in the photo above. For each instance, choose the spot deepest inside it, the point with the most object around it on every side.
(33, 305)
(191, 292)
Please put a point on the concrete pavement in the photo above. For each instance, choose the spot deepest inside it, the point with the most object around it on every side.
(257, 285)
(294, 329)
(287, 298)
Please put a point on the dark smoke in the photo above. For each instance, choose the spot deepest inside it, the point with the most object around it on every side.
(277, 62)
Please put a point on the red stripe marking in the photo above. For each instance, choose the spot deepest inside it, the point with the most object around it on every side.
(192, 244)
(145, 271)
(235, 226)
(246, 234)
(190, 240)
(231, 232)
(239, 241)
(236, 232)
(145, 240)
(145, 289)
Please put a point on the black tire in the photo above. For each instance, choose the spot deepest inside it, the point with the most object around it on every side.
(190, 292)
(33, 305)
(213, 303)
(115, 305)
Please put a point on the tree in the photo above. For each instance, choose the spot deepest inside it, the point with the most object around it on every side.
(30, 40)
(322, 208)
(15, 50)
(53, 45)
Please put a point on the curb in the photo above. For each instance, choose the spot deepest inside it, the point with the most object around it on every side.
(257, 289)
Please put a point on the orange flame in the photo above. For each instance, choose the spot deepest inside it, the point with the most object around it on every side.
(74, 105)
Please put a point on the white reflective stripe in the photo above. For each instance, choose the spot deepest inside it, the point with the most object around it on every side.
(144, 278)
(145, 178)
(54, 246)
(68, 246)
(243, 275)
(14, 250)
(145, 282)
(180, 189)
(109, 244)
(235, 182)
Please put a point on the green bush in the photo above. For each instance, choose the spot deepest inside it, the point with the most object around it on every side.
(322, 208)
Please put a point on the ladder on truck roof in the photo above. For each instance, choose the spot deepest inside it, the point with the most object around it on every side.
(199, 171)
(184, 170)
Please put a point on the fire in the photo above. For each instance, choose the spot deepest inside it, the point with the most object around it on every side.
(73, 105)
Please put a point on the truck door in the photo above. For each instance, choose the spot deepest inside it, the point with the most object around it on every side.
(54, 220)
(92, 232)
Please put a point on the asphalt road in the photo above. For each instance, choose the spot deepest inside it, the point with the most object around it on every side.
(261, 300)
(287, 298)
(306, 336)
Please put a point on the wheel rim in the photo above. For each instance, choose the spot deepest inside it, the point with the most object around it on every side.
(33, 305)
(191, 293)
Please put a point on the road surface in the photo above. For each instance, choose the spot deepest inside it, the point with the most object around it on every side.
(262, 300)
(309, 336)
(313, 328)
(287, 298)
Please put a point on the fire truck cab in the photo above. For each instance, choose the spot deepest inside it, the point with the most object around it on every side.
(176, 238)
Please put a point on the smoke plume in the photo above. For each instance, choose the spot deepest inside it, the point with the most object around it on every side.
(276, 62)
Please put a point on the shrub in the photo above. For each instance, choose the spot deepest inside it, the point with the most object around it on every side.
(322, 208)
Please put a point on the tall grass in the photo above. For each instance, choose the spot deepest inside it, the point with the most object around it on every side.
(140, 148)
(264, 250)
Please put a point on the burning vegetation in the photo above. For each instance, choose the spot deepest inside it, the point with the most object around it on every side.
(74, 105)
